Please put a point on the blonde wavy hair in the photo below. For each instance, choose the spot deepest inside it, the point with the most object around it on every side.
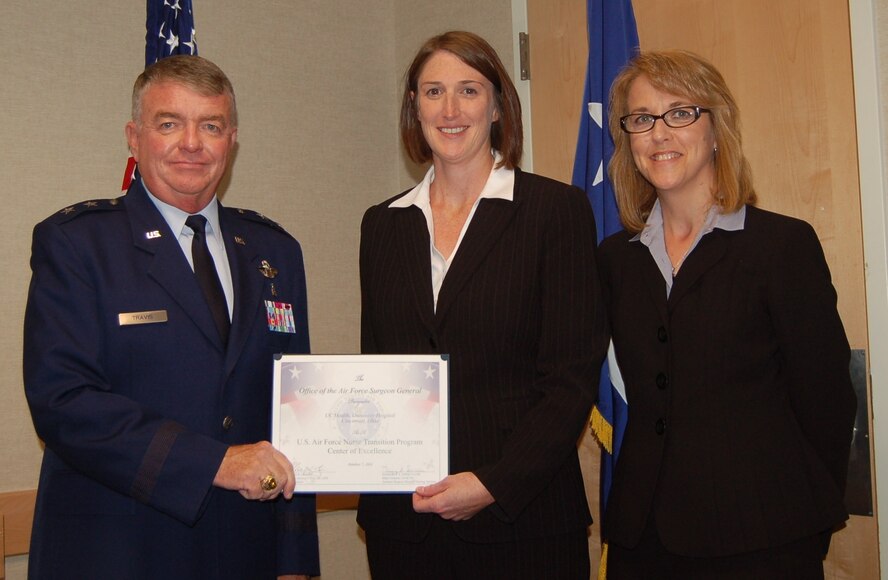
(685, 74)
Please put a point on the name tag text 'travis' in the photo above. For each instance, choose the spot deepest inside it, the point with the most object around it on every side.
(147, 317)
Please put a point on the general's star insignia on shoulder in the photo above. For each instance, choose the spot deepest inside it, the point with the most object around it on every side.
(84, 207)
(255, 216)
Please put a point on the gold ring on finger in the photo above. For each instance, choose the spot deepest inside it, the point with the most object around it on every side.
(268, 483)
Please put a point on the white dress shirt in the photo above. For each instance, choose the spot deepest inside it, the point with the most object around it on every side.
(500, 185)
(175, 218)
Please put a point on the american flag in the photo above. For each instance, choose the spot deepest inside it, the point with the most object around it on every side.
(169, 30)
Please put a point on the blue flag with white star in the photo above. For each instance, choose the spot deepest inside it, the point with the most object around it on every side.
(169, 30)
(613, 40)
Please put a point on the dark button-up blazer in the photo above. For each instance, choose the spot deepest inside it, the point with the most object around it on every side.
(740, 401)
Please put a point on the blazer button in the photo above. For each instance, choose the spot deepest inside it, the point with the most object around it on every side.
(227, 422)
(662, 334)
(660, 427)
(662, 381)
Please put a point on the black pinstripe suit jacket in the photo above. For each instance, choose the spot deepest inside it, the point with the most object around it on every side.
(521, 316)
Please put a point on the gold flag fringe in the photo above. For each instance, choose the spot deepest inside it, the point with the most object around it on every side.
(604, 433)
(602, 430)
(602, 567)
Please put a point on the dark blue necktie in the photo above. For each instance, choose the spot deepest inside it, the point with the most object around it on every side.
(207, 277)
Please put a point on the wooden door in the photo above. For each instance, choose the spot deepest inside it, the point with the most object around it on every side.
(789, 66)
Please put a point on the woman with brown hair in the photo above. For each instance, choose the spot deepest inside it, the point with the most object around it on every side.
(496, 268)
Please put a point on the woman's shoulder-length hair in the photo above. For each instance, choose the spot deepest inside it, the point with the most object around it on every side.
(686, 74)
(507, 134)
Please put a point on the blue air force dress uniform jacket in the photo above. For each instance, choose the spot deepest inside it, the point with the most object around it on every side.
(136, 418)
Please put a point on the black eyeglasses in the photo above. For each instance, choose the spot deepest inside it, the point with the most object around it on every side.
(675, 118)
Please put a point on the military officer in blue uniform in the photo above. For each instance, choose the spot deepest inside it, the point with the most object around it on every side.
(153, 394)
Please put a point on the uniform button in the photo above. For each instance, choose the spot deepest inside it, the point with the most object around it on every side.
(662, 381)
(227, 422)
(660, 427)
(661, 334)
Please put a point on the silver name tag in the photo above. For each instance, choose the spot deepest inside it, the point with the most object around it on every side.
(147, 317)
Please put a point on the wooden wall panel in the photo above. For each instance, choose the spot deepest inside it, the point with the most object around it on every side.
(789, 66)
(17, 511)
(558, 55)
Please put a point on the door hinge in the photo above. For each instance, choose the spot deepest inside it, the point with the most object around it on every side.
(524, 55)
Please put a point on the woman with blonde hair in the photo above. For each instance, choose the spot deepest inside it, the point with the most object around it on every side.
(726, 332)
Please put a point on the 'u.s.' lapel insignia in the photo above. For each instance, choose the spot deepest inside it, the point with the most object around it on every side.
(267, 270)
(152, 234)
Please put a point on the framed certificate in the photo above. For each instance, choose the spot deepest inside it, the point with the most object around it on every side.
(362, 423)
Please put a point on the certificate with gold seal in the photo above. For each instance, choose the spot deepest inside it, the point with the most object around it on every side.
(362, 423)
